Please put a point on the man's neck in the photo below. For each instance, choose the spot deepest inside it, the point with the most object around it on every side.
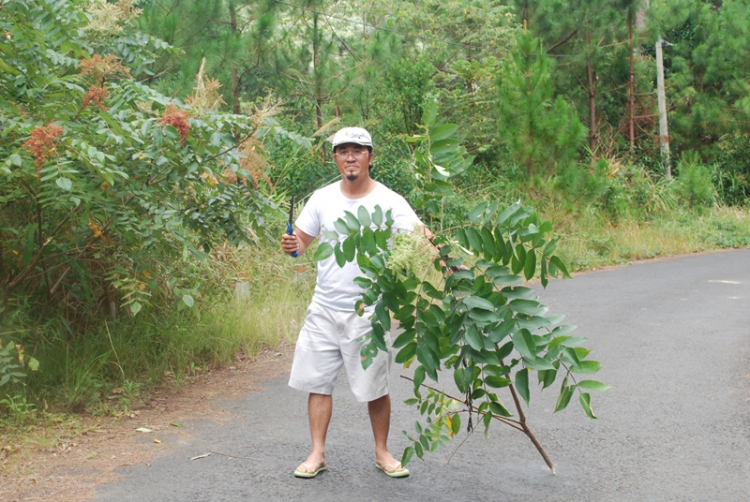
(359, 188)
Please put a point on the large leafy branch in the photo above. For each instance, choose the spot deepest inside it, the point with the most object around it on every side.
(476, 321)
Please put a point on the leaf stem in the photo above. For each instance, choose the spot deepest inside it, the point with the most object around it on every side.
(516, 424)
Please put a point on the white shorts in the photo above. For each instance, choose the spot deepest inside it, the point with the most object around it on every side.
(331, 339)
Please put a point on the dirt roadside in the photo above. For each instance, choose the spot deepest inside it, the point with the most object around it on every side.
(70, 467)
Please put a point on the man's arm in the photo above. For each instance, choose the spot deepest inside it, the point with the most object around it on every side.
(298, 241)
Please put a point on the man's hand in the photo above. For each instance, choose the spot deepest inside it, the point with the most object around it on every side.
(297, 241)
(290, 244)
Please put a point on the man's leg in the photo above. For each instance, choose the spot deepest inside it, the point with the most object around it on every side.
(380, 417)
(319, 410)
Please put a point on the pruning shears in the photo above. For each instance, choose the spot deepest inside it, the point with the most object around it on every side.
(289, 230)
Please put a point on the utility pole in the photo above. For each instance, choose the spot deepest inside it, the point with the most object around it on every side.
(663, 132)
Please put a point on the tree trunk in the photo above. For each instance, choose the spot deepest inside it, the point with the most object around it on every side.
(640, 16)
(235, 71)
(631, 86)
(319, 98)
(591, 91)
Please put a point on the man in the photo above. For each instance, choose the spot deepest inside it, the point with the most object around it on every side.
(332, 335)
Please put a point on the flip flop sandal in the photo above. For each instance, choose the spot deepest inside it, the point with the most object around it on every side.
(301, 474)
(394, 473)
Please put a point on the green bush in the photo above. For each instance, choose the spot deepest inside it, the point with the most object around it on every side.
(694, 183)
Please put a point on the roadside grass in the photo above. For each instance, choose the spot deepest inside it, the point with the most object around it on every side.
(40, 431)
(110, 370)
(591, 241)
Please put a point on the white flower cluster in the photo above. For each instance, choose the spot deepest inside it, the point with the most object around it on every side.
(411, 254)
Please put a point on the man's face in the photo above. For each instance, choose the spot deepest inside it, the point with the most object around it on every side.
(353, 160)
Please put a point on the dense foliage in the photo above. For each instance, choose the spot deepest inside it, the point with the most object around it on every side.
(380, 62)
(106, 183)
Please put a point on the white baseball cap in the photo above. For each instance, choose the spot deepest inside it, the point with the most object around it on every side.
(356, 135)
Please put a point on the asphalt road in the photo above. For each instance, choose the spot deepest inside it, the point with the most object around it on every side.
(674, 339)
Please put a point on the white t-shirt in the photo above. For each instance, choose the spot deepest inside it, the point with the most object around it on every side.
(335, 286)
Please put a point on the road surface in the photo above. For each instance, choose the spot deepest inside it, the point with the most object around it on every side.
(674, 339)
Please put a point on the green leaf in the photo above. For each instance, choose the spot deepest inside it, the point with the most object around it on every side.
(377, 216)
(518, 261)
(538, 363)
(475, 240)
(478, 302)
(406, 355)
(564, 398)
(33, 364)
(188, 300)
(430, 112)
(419, 450)
(498, 409)
(429, 362)
(455, 423)
(441, 132)
(349, 249)
(368, 241)
(351, 222)
(64, 183)
(460, 378)
(529, 267)
(478, 393)
(362, 282)
(573, 341)
(381, 238)
(528, 307)
(476, 213)
(593, 385)
(547, 377)
(533, 323)
(462, 274)
(497, 382)
(488, 242)
(473, 338)
(585, 399)
(502, 330)
(586, 367)
(383, 316)
(550, 247)
(341, 227)
(339, 254)
(557, 262)
(484, 316)
(377, 262)
(522, 384)
(368, 352)
(503, 217)
(424, 442)
(330, 235)
(16, 160)
(563, 330)
(378, 338)
(135, 307)
(524, 344)
(430, 291)
(407, 455)
(389, 218)
(364, 216)
(324, 251)
(460, 235)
